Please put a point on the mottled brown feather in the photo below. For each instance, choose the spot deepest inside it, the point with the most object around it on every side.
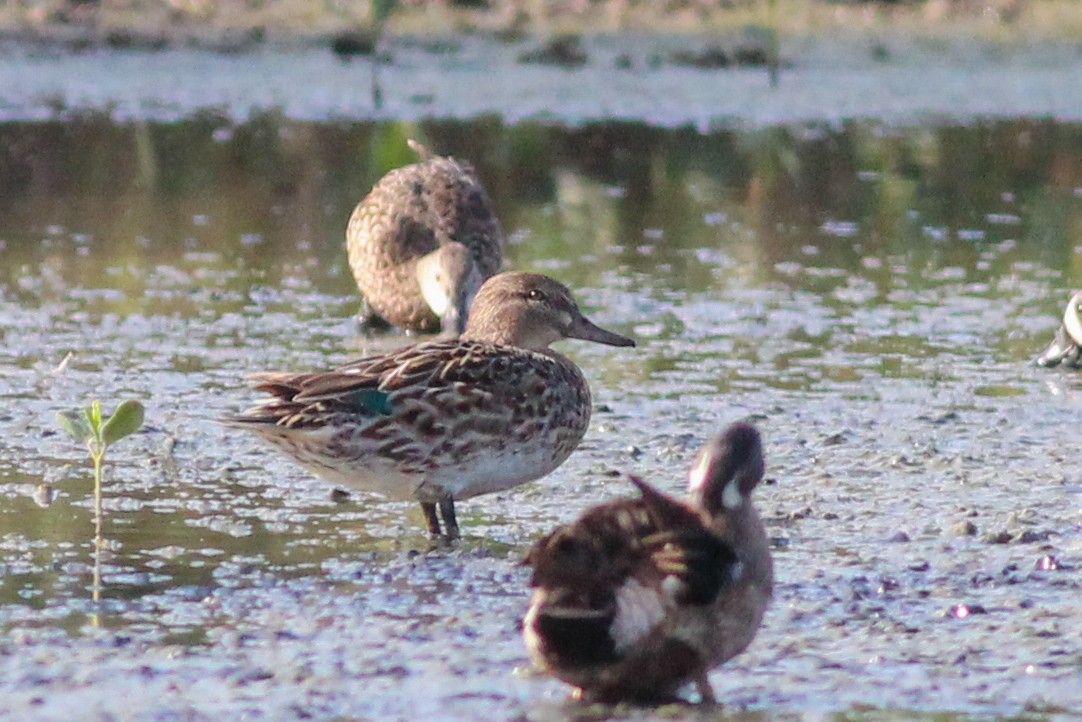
(409, 213)
(444, 419)
(638, 597)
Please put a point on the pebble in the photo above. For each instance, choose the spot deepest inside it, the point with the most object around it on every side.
(964, 528)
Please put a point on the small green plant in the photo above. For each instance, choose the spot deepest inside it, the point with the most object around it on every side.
(91, 427)
(99, 432)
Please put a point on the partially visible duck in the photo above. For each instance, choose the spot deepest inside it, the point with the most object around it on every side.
(639, 597)
(1066, 347)
(422, 242)
(447, 419)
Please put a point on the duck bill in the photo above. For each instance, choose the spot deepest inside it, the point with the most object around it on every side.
(453, 321)
(586, 330)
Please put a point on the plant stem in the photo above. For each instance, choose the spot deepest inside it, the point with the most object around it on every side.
(99, 541)
(775, 42)
(377, 90)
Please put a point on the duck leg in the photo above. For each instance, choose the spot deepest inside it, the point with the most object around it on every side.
(447, 510)
(706, 692)
(431, 520)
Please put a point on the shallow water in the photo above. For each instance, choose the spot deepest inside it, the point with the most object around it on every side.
(871, 296)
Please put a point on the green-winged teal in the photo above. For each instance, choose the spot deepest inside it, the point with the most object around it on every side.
(639, 597)
(445, 419)
(1066, 347)
(422, 242)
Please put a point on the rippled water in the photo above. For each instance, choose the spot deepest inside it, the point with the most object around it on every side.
(870, 296)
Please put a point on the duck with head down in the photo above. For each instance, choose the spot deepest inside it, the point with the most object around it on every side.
(1066, 347)
(422, 242)
(446, 419)
(639, 597)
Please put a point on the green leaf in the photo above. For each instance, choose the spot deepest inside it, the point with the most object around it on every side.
(126, 420)
(75, 423)
(93, 415)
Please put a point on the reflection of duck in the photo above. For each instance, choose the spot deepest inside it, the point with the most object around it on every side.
(638, 597)
(423, 241)
(1066, 347)
(446, 419)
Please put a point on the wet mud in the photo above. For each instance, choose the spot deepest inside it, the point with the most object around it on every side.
(871, 297)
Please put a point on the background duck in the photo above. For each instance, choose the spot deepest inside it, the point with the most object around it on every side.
(447, 419)
(1066, 347)
(422, 242)
(639, 597)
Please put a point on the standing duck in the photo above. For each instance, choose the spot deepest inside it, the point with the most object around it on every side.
(639, 597)
(422, 242)
(445, 419)
(1066, 347)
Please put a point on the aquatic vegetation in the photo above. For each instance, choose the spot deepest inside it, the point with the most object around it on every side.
(99, 432)
(91, 427)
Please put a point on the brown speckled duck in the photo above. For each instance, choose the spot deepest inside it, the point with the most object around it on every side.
(422, 242)
(639, 597)
(1066, 347)
(446, 419)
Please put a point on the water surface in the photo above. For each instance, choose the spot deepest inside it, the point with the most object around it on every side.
(869, 295)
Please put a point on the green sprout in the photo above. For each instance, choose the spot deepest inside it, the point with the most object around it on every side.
(99, 432)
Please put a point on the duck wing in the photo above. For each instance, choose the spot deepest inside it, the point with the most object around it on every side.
(612, 578)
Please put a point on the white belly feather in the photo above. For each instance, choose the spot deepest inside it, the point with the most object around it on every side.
(480, 473)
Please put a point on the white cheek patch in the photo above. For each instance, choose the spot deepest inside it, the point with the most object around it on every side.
(638, 610)
(731, 498)
(1071, 320)
(436, 296)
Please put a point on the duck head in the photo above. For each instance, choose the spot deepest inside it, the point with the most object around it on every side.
(726, 470)
(449, 281)
(529, 310)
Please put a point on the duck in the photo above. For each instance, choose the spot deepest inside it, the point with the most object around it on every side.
(446, 419)
(641, 596)
(1066, 347)
(422, 242)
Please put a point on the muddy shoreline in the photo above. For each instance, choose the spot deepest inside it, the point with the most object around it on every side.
(627, 78)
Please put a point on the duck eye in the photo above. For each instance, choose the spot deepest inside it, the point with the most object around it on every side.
(534, 295)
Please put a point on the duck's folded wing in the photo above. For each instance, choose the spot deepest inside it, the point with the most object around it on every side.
(692, 564)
